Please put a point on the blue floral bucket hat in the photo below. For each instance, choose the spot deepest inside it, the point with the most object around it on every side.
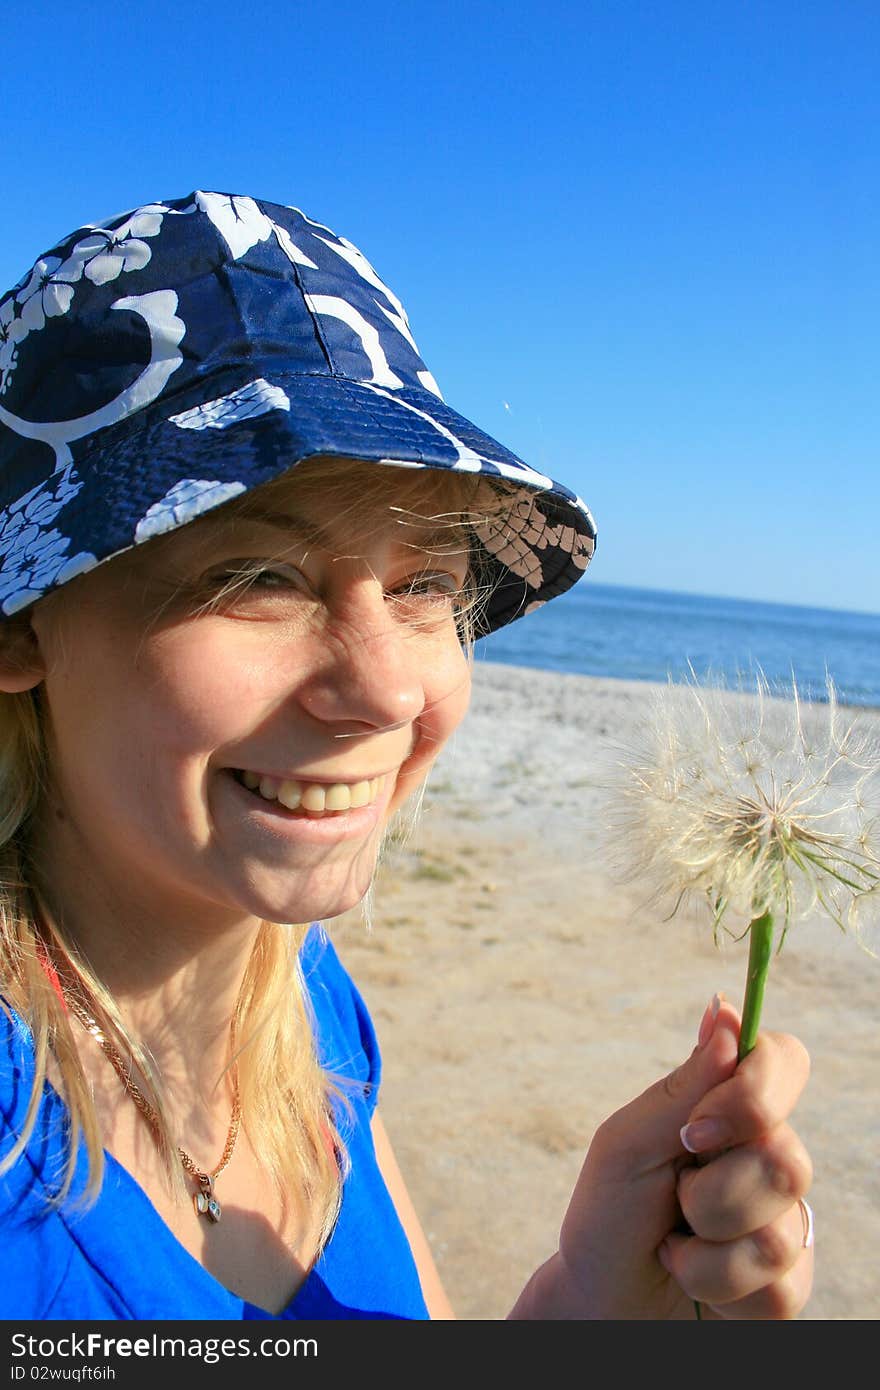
(161, 363)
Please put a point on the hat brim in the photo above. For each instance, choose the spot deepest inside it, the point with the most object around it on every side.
(158, 470)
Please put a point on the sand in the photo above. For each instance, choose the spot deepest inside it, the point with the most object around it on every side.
(521, 994)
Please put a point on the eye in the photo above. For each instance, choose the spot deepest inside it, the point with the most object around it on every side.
(249, 586)
(250, 575)
(431, 583)
(430, 593)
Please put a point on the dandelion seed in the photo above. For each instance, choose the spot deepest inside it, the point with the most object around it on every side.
(763, 808)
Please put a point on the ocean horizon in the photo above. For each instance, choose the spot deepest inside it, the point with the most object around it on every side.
(658, 635)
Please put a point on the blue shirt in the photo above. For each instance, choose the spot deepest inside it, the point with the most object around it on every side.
(118, 1259)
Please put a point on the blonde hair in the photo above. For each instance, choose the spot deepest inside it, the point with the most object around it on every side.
(284, 1092)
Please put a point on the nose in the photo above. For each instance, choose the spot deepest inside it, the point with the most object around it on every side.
(368, 674)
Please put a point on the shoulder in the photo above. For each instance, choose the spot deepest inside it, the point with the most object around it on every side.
(344, 1032)
(35, 1254)
(28, 1169)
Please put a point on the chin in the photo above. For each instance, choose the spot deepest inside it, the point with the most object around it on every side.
(311, 904)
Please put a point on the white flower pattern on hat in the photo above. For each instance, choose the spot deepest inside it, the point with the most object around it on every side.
(244, 404)
(47, 292)
(182, 503)
(12, 331)
(105, 255)
(240, 222)
(243, 224)
(34, 554)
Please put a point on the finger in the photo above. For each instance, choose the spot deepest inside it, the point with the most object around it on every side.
(625, 1196)
(756, 1267)
(759, 1096)
(784, 1299)
(745, 1188)
(647, 1132)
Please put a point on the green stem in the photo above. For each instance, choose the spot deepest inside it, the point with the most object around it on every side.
(760, 953)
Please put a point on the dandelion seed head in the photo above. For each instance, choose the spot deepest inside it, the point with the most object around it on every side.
(751, 801)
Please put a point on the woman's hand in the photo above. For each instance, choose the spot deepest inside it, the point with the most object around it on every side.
(691, 1194)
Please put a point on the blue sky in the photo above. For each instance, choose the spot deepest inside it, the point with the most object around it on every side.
(637, 242)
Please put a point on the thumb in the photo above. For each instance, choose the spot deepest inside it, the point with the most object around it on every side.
(655, 1119)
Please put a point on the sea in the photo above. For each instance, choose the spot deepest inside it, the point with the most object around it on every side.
(655, 635)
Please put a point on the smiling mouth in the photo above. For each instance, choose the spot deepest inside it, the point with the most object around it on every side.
(312, 798)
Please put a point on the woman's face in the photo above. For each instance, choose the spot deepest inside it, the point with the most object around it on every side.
(247, 754)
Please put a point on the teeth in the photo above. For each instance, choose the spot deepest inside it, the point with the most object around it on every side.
(290, 795)
(315, 797)
(337, 798)
(361, 793)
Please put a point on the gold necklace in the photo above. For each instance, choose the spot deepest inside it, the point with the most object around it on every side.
(204, 1201)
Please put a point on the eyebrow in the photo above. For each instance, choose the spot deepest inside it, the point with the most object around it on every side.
(294, 526)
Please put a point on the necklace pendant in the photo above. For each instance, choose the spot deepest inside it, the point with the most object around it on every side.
(204, 1201)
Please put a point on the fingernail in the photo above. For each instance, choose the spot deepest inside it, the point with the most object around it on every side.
(707, 1026)
(701, 1135)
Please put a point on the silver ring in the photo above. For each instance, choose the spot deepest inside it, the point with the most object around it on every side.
(807, 1218)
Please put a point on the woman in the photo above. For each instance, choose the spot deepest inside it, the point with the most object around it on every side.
(246, 549)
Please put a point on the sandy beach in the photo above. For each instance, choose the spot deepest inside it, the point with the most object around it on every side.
(521, 994)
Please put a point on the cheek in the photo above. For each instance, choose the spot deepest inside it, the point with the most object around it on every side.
(195, 693)
(126, 709)
(447, 689)
(447, 696)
